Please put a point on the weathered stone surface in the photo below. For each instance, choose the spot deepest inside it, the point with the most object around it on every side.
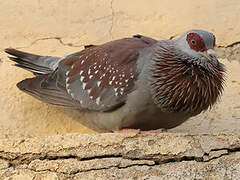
(4, 164)
(121, 156)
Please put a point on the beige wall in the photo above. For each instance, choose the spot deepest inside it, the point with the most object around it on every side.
(58, 27)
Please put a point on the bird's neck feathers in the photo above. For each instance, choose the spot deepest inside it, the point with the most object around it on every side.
(180, 84)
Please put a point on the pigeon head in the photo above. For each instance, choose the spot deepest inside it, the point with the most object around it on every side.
(199, 44)
(186, 75)
(199, 40)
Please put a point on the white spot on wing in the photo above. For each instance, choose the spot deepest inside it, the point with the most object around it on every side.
(84, 85)
(67, 79)
(81, 72)
(103, 76)
(72, 95)
(98, 100)
(69, 91)
(81, 78)
(67, 73)
(89, 91)
(98, 83)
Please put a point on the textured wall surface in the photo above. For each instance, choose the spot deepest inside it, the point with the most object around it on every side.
(58, 27)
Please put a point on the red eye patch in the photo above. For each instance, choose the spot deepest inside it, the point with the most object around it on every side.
(196, 42)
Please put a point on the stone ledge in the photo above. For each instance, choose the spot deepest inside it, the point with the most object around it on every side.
(121, 156)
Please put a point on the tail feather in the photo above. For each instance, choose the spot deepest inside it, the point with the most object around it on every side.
(49, 93)
(22, 55)
(44, 85)
(34, 63)
(36, 69)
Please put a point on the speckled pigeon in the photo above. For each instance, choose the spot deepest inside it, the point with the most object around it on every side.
(131, 83)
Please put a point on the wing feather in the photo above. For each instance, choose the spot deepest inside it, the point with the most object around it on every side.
(101, 77)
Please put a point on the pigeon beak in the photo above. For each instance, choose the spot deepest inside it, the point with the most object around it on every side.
(210, 55)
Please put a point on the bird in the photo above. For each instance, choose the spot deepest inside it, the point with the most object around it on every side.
(137, 83)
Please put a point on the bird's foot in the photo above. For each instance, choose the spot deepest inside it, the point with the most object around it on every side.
(126, 130)
(154, 131)
(138, 131)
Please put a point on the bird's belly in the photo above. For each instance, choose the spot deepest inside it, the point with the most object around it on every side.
(153, 118)
(148, 118)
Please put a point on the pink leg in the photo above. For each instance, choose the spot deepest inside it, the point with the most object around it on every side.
(153, 131)
(138, 131)
(129, 131)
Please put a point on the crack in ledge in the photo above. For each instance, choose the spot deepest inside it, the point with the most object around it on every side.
(26, 159)
(59, 39)
(98, 169)
(230, 45)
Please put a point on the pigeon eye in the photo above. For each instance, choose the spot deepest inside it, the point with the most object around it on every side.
(196, 42)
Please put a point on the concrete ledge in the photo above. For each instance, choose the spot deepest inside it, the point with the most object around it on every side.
(121, 156)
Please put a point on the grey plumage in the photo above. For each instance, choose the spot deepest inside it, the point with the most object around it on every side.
(134, 82)
(34, 63)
